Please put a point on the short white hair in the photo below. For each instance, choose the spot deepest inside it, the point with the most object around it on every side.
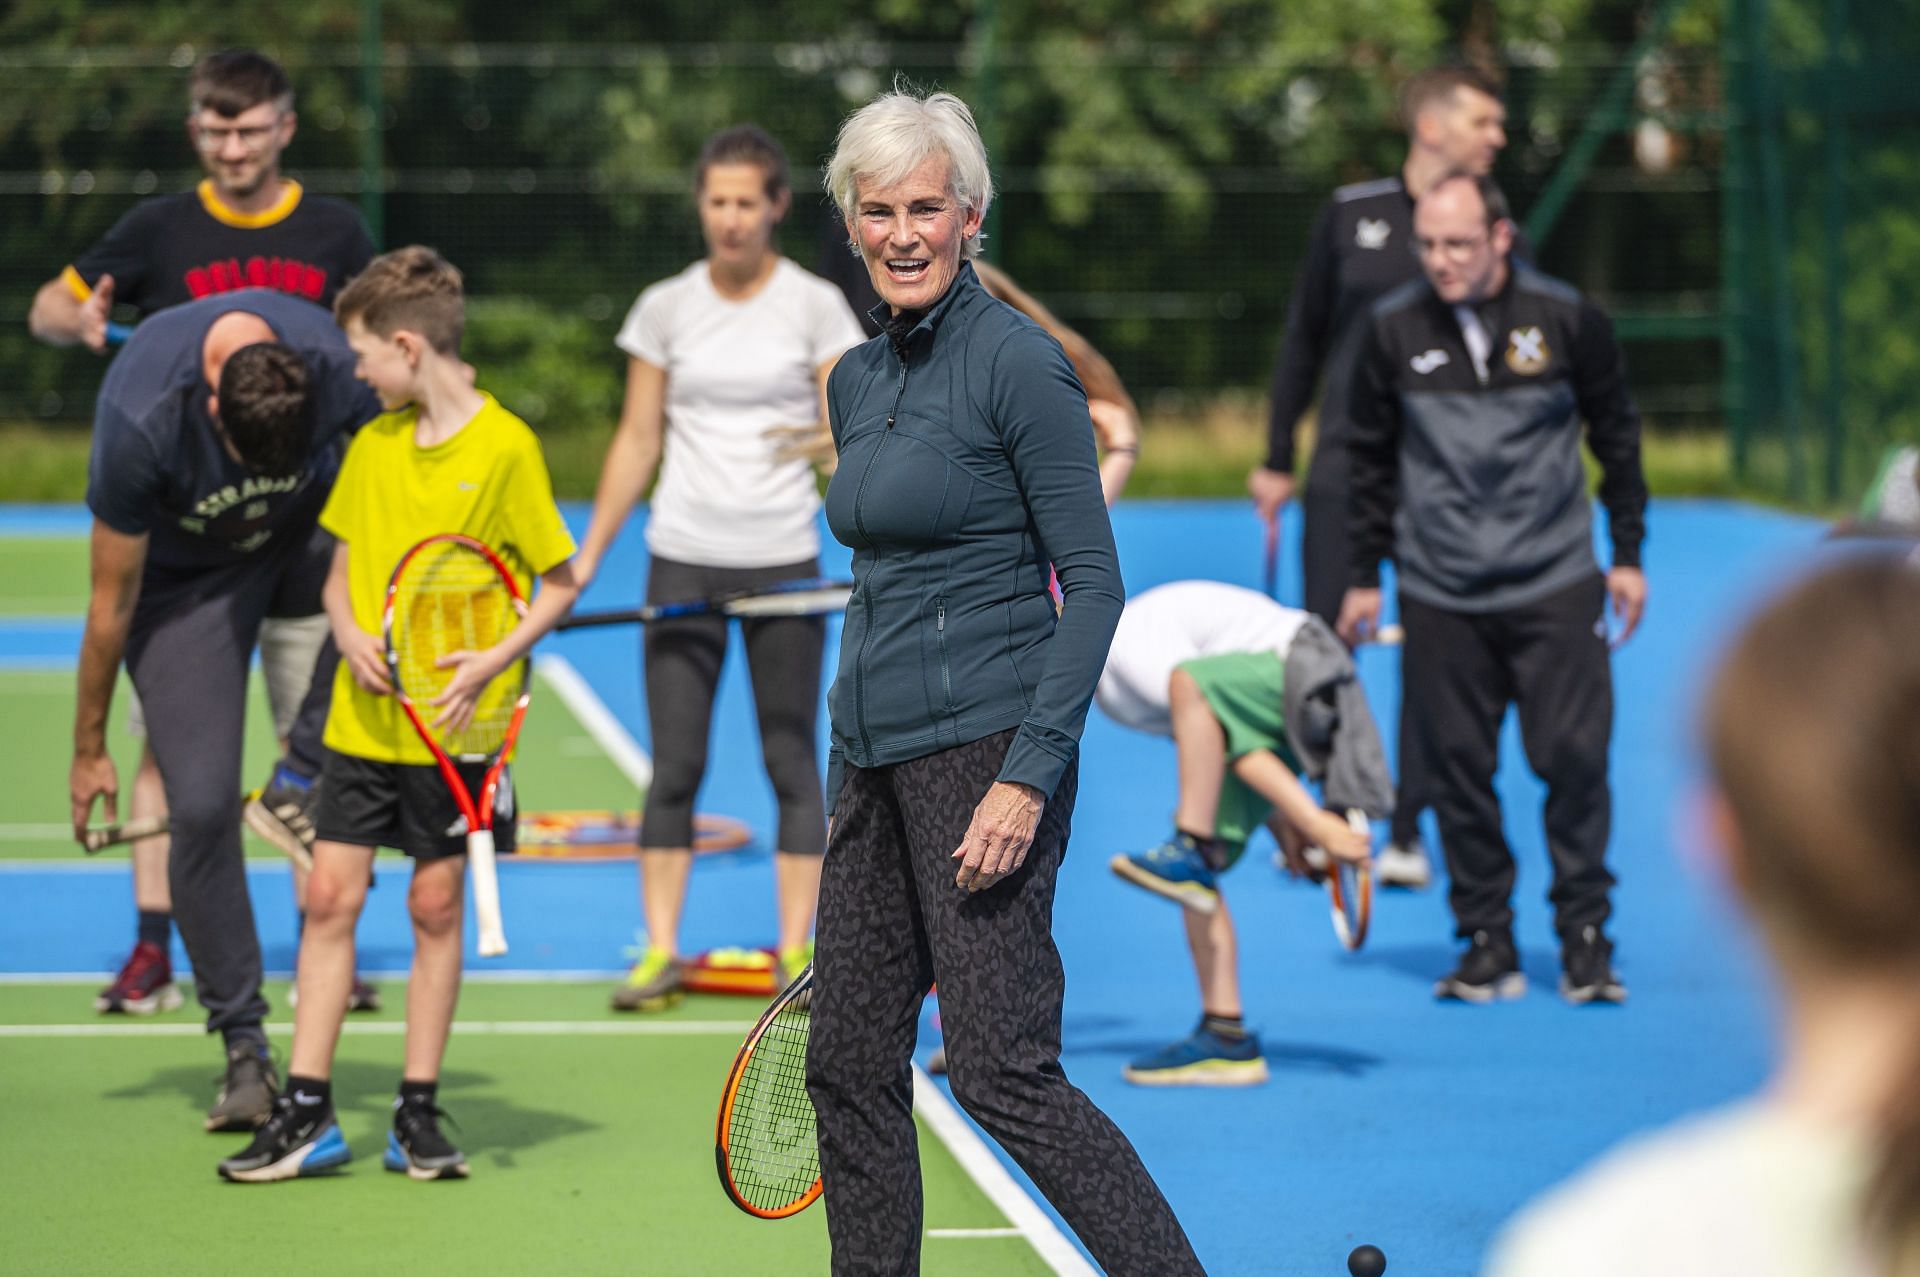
(888, 138)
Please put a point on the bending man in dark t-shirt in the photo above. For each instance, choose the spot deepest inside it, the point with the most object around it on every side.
(205, 509)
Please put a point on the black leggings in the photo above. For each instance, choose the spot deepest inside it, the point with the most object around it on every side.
(683, 660)
(891, 921)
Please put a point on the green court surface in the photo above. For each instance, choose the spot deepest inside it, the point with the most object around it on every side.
(43, 576)
(590, 1139)
(557, 759)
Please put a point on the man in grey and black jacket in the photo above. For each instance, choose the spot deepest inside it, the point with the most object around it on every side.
(1466, 471)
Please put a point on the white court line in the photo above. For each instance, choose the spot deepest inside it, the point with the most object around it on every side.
(467, 977)
(118, 864)
(395, 1028)
(594, 715)
(945, 1121)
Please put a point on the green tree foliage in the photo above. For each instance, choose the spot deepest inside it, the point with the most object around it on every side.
(1159, 161)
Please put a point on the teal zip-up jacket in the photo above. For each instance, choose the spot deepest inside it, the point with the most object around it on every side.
(965, 469)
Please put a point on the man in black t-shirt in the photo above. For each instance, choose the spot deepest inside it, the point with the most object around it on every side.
(217, 436)
(244, 226)
(1362, 247)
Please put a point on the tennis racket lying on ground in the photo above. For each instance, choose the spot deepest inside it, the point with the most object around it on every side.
(808, 597)
(764, 1144)
(1350, 889)
(101, 837)
(449, 594)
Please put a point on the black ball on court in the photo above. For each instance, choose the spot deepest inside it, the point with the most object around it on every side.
(1367, 1261)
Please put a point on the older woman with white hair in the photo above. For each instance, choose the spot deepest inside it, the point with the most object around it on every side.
(966, 467)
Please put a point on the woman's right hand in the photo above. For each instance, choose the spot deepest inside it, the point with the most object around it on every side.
(812, 444)
(366, 659)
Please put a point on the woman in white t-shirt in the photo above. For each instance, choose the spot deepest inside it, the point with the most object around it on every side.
(725, 359)
(1813, 732)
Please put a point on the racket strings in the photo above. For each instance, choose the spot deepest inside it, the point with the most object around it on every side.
(773, 1156)
(450, 598)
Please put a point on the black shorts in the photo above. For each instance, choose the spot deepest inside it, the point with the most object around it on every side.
(406, 806)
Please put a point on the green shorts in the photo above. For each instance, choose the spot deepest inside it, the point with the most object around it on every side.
(1245, 691)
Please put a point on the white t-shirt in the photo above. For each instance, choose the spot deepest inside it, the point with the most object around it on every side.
(734, 369)
(1174, 623)
(1751, 1191)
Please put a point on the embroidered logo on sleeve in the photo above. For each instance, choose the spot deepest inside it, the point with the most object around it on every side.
(1428, 360)
(1372, 232)
(1527, 352)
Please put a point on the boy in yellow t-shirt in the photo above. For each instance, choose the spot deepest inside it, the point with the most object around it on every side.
(444, 457)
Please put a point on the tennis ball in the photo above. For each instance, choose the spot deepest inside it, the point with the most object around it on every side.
(1367, 1261)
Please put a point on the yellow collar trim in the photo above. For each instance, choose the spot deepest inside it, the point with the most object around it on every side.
(282, 208)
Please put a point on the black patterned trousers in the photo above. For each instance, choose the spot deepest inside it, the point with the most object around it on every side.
(892, 922)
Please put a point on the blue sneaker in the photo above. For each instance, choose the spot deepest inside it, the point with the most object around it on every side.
(1204, 1059)
(288, 1145)
(1174, 869)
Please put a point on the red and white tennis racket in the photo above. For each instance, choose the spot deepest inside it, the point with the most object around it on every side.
(448, 594)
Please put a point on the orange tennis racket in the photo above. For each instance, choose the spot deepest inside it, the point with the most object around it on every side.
(764, 1146)
(1350, 891)
(448, 594)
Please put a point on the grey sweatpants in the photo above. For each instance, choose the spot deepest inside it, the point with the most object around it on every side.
(892, 921)
(188, 649)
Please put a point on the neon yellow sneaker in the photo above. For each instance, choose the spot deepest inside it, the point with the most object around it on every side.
(792, 962)
(1204, 1059)
(656, 982)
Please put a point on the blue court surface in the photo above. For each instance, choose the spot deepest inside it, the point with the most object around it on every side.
(1390, 1118)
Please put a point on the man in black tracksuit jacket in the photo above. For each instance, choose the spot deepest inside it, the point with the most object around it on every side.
(1465, 468)
(1360, 251)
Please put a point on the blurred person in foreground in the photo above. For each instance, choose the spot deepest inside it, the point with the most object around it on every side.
(727, 361)
(1467, 403)
(1361, 249)
(1813, 822)
(966, 467)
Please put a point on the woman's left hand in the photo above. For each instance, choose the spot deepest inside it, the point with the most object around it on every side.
(999, 836)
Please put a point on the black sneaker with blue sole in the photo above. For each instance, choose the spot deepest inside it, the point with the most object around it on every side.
(417, 1147)
(294, 1141)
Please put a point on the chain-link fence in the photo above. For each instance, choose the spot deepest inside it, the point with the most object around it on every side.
(1822, 242)
(557, 178)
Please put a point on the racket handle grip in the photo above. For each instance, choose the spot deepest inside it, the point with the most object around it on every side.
(486, 894)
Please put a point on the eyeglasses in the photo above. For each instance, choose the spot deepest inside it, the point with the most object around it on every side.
(1457, 250)
(214, 139)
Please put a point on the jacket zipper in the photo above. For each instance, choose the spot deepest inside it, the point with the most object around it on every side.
(940, 632)
(866, 596)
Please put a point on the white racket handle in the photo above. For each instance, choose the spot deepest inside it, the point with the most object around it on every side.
(486, 893)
